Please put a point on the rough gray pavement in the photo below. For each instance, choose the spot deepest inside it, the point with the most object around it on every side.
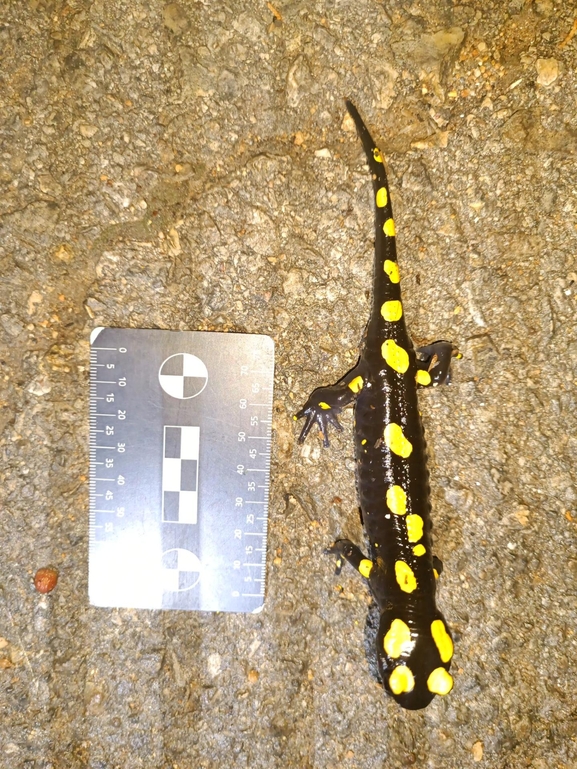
(189, 166)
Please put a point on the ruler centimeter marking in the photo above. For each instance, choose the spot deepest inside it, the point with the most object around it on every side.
(171, 522)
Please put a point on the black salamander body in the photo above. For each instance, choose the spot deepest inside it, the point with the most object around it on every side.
(414, 645)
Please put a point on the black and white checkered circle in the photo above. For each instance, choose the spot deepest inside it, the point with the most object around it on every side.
(181, 570)
(183, 376)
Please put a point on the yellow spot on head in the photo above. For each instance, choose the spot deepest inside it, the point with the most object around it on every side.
(420, 550)
(396, 441)
(389, 228)
(377, 155)
(392, 270)
(365, 568)
(405, 577)
(392, 310)
(398, 639)
(439, 682)
(423, 378)
(324, 405)
(395, 356)
(401, 680)
(356, 384)
(442, 640)
(381, 197)
(397, 500)
(414, 527)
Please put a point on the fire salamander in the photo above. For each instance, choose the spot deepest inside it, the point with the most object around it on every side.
(414, 644)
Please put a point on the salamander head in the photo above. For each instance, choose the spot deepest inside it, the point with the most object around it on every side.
(414, 658)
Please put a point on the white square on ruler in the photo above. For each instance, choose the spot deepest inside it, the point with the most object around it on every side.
(187, 507)
(171, 474)
(189, 438)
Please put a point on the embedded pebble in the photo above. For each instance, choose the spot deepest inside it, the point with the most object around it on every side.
(547, 71)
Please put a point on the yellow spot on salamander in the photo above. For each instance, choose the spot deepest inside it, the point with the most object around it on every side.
(439, 682)
(395, 356)
(398, 639)
(365, 568)
(401, 680)
(436, 573)
(397, 500)
(396, 441)
(324, 406)
(392, 310)
(381, 197)
(392, 270)
(420, 550)
(389, 228)
(356, 384)
(405, 577)
(414, 527)
(377, 155)
(423, 378)
(363, 441)
(442, 640)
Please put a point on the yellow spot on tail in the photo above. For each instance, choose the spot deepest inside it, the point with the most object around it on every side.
(423, 378)
(420, 550)
(396, 441)
(377, 155)
(365, 568)
(414, 527)
(442, 640)
(356, 384)
(396, 357)
(439, 682)
(324, 405)
(381, 197)
(398, 639)
(405, 577)
(397, 500)
(401, 680)
(389, 228)
(392, 310)
(392, 270)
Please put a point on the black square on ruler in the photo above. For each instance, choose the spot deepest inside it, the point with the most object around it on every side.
(188, 475)
(172, 442)
(192, 385)
(170, 560)
(171, 500)
(174, 366)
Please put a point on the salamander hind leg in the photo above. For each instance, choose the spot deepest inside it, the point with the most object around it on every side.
(347, 550)
(326, 403)
(434, 363)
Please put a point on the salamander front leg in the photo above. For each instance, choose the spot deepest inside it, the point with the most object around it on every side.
(434, 363)
(437, 566)
(347, 550)
(326, 403)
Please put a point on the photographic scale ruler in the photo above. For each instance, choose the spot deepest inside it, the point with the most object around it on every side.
(180, 439)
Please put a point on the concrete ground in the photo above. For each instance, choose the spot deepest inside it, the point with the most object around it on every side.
(189, 166)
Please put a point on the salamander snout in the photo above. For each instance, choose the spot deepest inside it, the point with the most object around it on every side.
(414, 657)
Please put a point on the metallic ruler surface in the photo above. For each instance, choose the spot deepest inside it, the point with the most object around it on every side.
(180, 435)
